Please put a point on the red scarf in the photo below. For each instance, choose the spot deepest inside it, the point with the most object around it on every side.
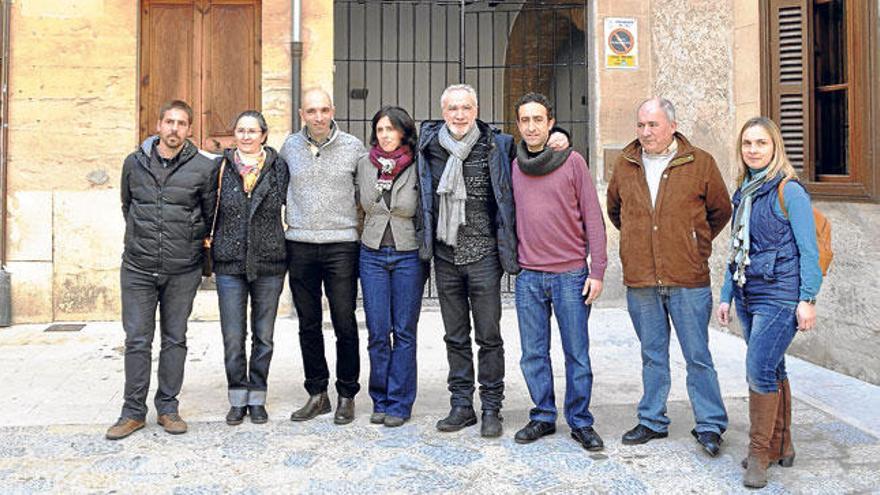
(394, 163)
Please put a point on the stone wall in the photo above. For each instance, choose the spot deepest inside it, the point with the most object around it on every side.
(73, 118)
(847, 335)
(613, 100)
(694, 70)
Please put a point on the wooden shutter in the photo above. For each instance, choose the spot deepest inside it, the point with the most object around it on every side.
(205, 52)
(791, 77)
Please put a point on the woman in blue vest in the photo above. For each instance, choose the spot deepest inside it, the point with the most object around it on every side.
(774, 276)
(250, 260)
(392, 276)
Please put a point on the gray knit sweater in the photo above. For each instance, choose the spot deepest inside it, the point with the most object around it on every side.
(320, 197)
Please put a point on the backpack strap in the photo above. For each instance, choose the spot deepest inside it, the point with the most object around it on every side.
(779, 192)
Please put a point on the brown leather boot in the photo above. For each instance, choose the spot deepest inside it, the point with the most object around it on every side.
(781, 448)
(316, 405)
(762, 415)
(123, 428)
(344, 411)
(172, 423)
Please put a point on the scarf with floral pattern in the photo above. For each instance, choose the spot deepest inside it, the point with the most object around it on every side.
(249, 167)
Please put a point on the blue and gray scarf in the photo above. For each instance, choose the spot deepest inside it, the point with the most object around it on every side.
(740, 242)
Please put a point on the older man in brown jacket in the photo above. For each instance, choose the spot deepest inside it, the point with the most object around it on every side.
(669, 201)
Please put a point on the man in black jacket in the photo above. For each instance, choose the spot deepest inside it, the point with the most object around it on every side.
(168, 194)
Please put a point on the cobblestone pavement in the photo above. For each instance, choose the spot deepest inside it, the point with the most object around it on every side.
(63, 392)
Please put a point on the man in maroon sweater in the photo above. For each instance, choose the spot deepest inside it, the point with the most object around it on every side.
(559, 225)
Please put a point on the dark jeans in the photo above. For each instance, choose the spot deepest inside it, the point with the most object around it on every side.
(392, 283)
(768, 329)
(335, 265)
(462, 290)
(141, 294)
(247, 383)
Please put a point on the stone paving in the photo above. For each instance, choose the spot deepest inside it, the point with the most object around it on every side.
(63, 391)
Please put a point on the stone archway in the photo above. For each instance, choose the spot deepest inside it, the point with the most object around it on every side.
(546, 53)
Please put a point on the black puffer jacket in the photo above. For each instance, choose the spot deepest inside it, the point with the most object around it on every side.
(166, 224)
(249, 235)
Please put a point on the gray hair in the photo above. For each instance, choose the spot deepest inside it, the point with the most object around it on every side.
(459, 87)
(666, 105)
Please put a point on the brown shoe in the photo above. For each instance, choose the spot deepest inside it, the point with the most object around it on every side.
(172, 423)
(123, 428)
(316, 405)
(344, 411)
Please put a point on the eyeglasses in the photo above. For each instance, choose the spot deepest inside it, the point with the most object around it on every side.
(249, 132)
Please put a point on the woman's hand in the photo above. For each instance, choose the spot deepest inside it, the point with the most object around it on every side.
(723, 314)
(806, 316)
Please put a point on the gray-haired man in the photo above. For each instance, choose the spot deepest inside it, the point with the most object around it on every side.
(467, 208)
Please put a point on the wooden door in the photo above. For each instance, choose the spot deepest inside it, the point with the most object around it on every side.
(205, 52)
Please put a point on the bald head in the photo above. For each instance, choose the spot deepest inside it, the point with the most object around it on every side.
(656, 124)
(316, 93)
(317, 112)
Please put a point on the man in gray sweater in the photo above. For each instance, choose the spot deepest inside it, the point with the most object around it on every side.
(322, 248)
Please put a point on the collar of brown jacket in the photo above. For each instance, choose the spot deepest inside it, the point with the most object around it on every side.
(685, 154)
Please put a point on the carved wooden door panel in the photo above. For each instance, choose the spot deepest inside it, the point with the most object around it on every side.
(205, 52)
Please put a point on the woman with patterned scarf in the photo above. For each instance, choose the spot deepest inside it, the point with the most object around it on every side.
(250, 261)
(774, 276)
(392, 276)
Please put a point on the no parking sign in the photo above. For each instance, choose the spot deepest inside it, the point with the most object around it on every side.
(621, 43)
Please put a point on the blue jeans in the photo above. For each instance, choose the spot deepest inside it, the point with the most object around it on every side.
(392, 282)
(650, 309)
(247, 381)
(768, 329)
(536, 293)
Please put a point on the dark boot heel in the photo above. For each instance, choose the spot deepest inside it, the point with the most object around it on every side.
(787, 461)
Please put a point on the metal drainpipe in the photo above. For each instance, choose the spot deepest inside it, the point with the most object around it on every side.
(296, 52)
(5, 278)
(461, 38)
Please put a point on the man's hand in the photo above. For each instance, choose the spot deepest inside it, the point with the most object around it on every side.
(592, 290)
(558, 142)
(806, 316)
(723, 314)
